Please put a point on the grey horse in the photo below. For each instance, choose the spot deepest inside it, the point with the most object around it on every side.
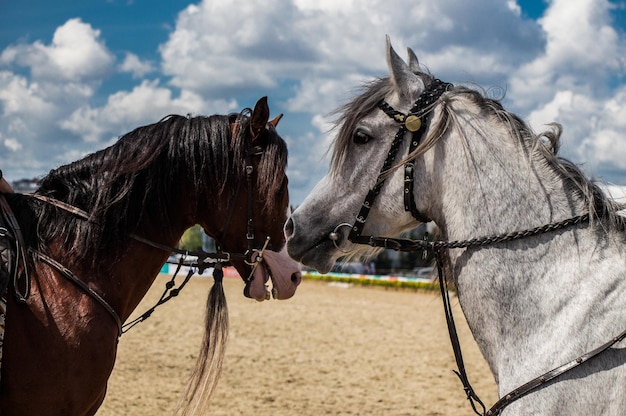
(532, 303)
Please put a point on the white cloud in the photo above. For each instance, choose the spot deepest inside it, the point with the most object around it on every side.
(580, 35)
(61, 77)
(224, 45)
(515, 8)
(124, 110)
(605, 143)
(76, 54)
(135, 66)
(18, 96)
(581, 54)
(12, 144)
(232, 45)
(571, 82)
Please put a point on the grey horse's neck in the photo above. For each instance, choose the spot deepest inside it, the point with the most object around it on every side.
(535, 303)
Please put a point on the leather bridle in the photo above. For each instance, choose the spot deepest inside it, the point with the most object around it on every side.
(415, 122)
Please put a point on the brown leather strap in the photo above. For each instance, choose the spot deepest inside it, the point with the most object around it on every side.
(67, 273)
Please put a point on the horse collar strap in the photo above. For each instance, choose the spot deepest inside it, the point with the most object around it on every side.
(415, 122)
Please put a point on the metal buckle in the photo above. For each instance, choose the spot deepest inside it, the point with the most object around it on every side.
(259, 258)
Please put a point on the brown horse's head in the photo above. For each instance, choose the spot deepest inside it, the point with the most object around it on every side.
(258, 207)
(248, 223)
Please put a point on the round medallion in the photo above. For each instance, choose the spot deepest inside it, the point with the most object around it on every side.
(413, 123)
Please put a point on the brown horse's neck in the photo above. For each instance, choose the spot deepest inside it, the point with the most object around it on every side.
(123, 281)
(138, 266)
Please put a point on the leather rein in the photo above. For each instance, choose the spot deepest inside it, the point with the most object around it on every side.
(415, 122)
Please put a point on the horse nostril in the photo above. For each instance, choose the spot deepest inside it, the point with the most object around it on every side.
(296, 278)
(289, 226)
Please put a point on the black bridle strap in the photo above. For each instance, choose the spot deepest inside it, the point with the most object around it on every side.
(535, 383)
(253, 151)
(249, 170)
(63, 205)
(405, 244)
(203, 259)
(415, 122)
(359, 223)
(203, 256)
(220, 256)
(454, 338)
(170, 292)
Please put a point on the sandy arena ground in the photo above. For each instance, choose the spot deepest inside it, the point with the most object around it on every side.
(330, 350)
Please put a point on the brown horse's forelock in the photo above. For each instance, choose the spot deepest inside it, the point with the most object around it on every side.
(120, 185)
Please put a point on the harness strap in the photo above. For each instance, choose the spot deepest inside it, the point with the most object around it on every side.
(203, 258)
(535, 383)
(63, 205)
(249, 170)
(170, 292)
(357, 228)
(201, 254)
(72, 277)
(454, 339)
(405, 244)
(416, 121)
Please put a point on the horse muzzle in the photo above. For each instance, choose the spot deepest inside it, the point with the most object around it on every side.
(284, 272)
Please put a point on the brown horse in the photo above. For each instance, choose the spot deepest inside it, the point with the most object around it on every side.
(226, 173)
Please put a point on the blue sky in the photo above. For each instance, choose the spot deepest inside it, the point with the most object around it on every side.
(75, 75)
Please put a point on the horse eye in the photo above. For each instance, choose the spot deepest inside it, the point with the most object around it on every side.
(360, 137)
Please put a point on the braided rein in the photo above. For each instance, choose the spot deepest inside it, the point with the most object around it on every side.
(438, 247)
(404, 244)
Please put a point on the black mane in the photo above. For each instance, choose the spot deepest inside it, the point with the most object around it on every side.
(133, 180)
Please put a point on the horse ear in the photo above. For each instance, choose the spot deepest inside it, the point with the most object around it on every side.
(404, 80)
(414, 64)
(275, 120)
(260, 115)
